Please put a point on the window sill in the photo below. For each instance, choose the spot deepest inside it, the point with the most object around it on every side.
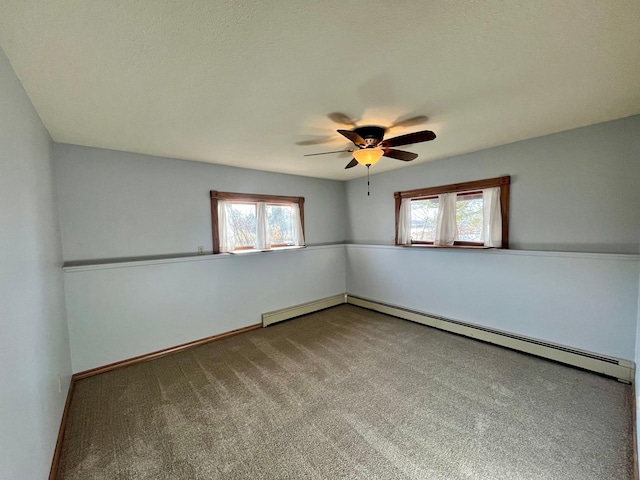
(463, 247)
(275, 249)
(72, 267)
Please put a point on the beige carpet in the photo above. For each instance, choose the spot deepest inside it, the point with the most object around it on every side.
(348, 393)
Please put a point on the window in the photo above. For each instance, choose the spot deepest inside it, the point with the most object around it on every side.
(469, 216)
(424, 216)
(242, 221)
(472, 214)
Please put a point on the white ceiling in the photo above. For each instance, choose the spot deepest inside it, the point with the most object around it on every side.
(242, 82)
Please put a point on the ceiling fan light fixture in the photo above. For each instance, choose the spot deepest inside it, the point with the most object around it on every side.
(368, 156)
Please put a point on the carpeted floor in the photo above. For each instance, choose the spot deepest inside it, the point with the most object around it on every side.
(348, 393)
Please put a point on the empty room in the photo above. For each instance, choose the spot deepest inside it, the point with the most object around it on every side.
(284, 240)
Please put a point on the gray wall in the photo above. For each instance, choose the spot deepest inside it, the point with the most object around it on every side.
(637, 360)
(117, 204)
(34, 344)
(574, 191)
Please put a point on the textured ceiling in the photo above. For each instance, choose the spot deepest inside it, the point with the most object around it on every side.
(244, 82)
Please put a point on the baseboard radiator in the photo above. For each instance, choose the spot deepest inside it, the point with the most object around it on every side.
(623, 370)
(270, 318)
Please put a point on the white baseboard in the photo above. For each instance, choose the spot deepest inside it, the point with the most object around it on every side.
(270, 318)
(623, 370)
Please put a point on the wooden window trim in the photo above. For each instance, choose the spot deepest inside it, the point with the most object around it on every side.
(464, 194)
(248, 198)
(465, 187)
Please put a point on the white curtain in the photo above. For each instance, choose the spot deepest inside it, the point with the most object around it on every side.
(446, 228)
(404, 222)
(492, 218)
(262, 227)
(298, 235)
(225, 230)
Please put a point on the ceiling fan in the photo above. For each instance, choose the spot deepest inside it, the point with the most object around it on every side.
(371, 145)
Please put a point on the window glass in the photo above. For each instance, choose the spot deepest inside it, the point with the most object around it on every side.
(469, 214)
(243, 224)
(280, 219)
(424, 217)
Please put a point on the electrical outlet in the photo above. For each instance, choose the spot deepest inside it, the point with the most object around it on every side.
(200, 250)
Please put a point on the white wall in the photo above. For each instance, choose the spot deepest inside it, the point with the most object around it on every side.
(575, 191)
(34, 346)
(123, 310)
(119, 205)
(586, 301)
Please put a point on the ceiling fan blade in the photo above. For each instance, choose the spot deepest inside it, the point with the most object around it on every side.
(409, 138)
(409, 122)
(353, 136)
(346, 153)
(341, 118)
(315, 141)
(351, 164)
(326, 153)
(400, 155)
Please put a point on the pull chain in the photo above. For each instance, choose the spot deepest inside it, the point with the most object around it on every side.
(368, 165)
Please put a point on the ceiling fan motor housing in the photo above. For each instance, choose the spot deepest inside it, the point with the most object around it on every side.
(372, 134)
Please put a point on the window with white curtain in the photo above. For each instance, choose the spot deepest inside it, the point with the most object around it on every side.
(244, 222)
(471, 214)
